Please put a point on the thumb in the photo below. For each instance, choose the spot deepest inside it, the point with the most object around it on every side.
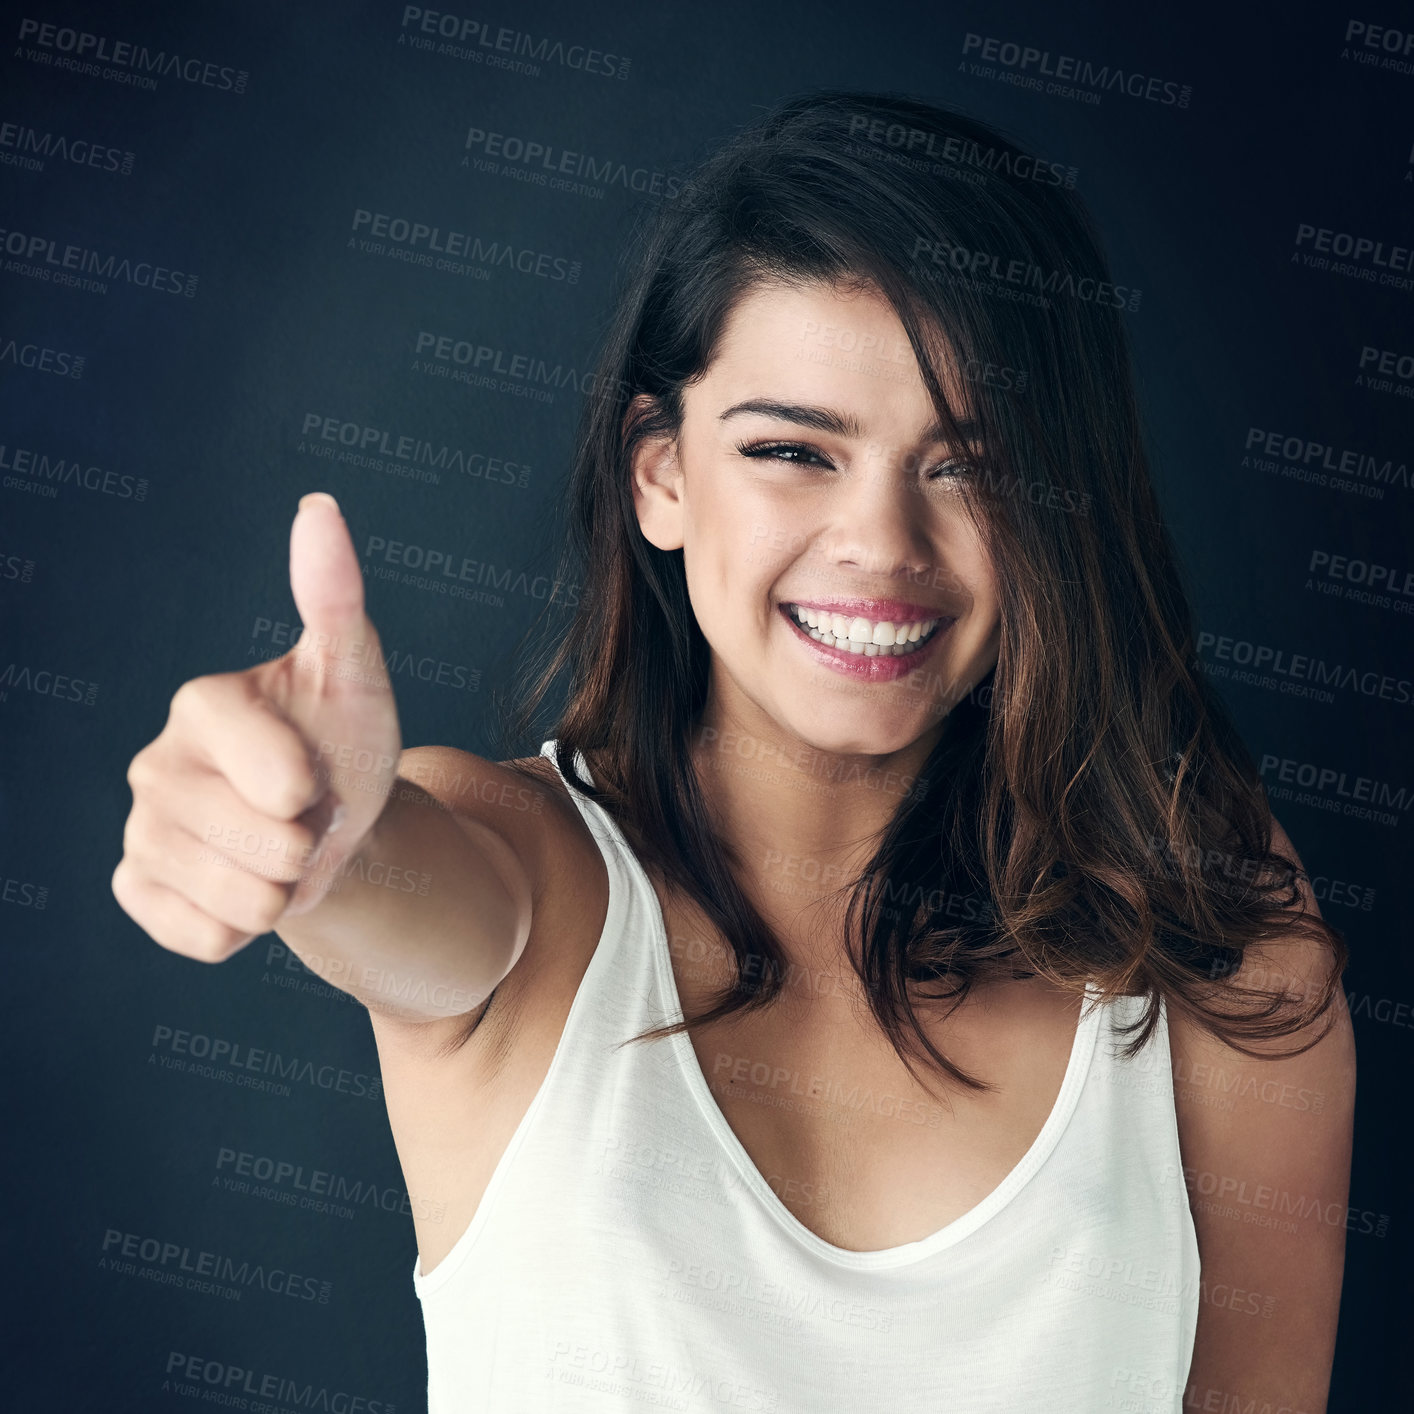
(325, 578)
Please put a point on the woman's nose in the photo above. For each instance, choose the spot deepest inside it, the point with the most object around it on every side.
(880, 518)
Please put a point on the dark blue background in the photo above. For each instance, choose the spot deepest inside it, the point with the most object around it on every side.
(205, 398)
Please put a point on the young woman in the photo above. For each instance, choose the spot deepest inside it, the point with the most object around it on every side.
(866, 998)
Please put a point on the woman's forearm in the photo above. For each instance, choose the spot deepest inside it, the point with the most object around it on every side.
(423, 918)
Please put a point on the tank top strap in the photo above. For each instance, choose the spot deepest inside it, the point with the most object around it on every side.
(601, 823)
(1148, 1071)
(622, 984)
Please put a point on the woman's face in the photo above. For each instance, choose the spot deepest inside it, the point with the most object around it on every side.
(809, 473)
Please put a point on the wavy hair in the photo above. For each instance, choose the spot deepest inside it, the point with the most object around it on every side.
(1100, 802)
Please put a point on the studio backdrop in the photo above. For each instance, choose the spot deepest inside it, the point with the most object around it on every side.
(249, 251)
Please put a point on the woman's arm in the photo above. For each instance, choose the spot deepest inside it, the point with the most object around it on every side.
(1266, 1149)
(416, 899)
(434, 908)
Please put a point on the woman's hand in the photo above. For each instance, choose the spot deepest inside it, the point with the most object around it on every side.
(264, 781)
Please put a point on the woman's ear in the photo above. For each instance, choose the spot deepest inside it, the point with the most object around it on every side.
(657, 486)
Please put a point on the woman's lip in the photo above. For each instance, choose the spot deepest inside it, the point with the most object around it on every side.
(896, 611)
(885, 667)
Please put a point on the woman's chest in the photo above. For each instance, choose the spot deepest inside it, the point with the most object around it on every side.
(857, 1149)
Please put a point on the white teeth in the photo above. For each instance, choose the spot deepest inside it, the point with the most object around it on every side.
(860, 635)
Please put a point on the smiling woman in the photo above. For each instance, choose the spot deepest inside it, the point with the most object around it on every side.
(799, 1029)
(864, 498)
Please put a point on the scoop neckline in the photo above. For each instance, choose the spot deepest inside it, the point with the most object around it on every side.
(1077, 1068)
(1057, 1121)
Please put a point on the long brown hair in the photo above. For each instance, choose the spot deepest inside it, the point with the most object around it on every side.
(1099, 798)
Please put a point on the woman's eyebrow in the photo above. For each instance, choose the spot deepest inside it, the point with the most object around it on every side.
(842, 424)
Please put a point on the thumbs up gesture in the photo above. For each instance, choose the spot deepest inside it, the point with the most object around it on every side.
(263, 782)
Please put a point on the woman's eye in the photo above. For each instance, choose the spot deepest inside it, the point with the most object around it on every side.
(788, 452)
(954, 466)
(794, 454)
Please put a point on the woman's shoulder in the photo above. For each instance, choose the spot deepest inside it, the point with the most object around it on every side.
(477, 786)
(523, 801)
(570, 841)
(542, 769)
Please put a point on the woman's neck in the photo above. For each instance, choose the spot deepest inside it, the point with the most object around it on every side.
(800, 823)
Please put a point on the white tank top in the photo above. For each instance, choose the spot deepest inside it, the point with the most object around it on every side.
(628, 1254)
